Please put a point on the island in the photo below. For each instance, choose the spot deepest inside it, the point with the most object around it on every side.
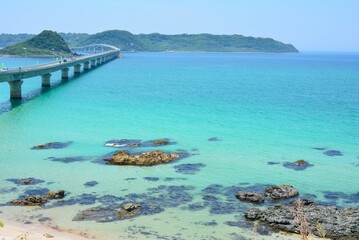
(153, 42)
(45, 44)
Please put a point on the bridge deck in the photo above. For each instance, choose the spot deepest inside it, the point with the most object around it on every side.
(33, 71)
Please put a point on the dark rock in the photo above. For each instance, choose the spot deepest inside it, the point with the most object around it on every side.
(333, 153)
(144, 159)
(336, 223)
(254, 197)
(213, 139)
(191, 168)
(36, 200)
(281, 191)
(56, 195)
(253, 213)
(161, 142)
(129, 210)
(298, 165)
(90, 183)
(52, 145)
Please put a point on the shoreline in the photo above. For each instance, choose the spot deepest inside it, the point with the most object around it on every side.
(16, 230)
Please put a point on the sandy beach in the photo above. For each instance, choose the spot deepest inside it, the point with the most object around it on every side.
(18, 231)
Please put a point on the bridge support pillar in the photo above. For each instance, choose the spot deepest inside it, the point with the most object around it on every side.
(45, 80)
(15, 89)
(65, 73)
(77, 69)
(93, 63)
(99, 62)
(86, 66)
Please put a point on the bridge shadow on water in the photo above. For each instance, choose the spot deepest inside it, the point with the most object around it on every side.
(14, 103)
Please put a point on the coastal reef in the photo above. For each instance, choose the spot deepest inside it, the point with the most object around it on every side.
(271, 192)
(145, 159)
(329, 221)
(37, 200)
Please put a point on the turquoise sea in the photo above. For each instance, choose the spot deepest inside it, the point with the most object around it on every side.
(230, 113)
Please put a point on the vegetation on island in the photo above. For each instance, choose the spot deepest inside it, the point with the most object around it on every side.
(156, 42)
(153, 42)
(47, 43)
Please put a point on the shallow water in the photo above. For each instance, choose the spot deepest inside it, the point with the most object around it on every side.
(258, 108)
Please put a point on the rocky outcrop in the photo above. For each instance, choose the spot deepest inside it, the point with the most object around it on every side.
(37, 200)
(116, 212)
(129, 210)
(161, 142)
(56, 195)
(271, 192)
(33, 200)
(335, 223)
(255, 197)
(144, 159)
(281, 191)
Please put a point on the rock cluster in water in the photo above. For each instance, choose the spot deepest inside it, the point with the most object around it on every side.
(271, 192)
(145, 159)
(37, 200)
(115, 213)
(335, 223)
(52, 145)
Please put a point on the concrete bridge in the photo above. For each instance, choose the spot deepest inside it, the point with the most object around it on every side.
(101, 54)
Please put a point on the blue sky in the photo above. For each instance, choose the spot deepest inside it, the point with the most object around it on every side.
(310, 25)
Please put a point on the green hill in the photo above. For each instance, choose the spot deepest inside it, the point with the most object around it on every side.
(47, 43)
(153, 42)
(156, 42)
(122, 39)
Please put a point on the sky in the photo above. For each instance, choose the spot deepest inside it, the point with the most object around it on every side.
(310, 25)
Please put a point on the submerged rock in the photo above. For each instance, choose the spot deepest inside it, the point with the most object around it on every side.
(336, 223)
(190, 168)
(25, 181)
(333, 153)
(116, 213)
(255, 197)
(144, 159)
(52, 145)
(298, 165)
(37, 200)
(213, 139)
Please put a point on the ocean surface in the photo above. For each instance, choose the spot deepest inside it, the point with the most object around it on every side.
(240, 119)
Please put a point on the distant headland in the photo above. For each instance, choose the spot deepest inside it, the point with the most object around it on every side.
(153, 42)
